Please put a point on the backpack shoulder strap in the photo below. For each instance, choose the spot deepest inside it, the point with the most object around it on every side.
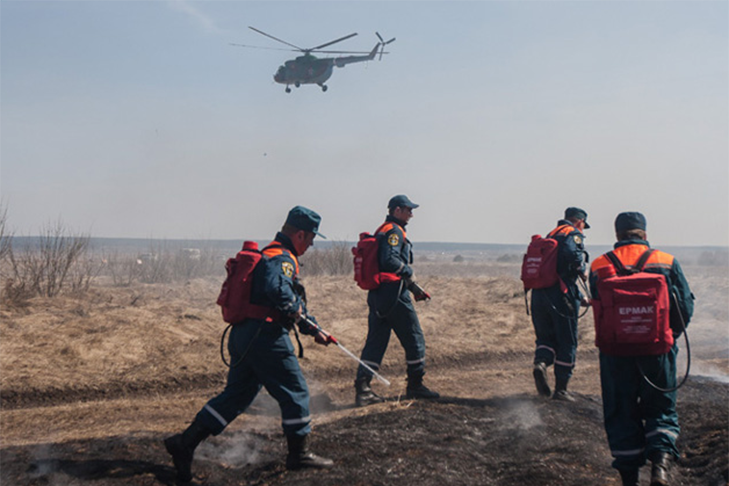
(619, 267)
(643, 259)
(556, 231)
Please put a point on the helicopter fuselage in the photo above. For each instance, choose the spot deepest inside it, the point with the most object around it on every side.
(305, 69)
(309, 69)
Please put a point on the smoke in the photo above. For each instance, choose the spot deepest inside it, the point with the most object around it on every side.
(240, 448)
(708, 330)
(41, 464)
(522, 415)
(251, 443)
(707, 370)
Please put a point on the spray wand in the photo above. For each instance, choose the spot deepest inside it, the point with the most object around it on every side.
(332, 339)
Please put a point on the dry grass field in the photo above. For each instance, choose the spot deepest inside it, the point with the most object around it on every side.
(92, 382)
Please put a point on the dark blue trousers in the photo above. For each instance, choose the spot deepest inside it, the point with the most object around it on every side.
(638, 418)
(262, 355)
(387, 315)
(555, 325)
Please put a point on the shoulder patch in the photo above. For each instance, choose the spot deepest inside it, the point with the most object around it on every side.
(393, 240)
(578, 239)
(287, 268)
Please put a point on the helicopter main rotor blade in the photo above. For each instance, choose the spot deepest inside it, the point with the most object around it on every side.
(343, 52)
(262, 47)
(332, 42)
(276, 39)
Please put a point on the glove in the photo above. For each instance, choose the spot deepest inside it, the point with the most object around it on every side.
(324, 338)
(308, 325)
(417, 291)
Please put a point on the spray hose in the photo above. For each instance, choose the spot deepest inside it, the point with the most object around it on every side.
(688, 355)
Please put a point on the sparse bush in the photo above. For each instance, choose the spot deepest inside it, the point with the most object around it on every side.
(458, 259)
(43, 267)
(335, 260)
(5, 235)
(163, 264)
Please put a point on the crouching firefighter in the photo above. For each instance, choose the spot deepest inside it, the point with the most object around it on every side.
(552, 267)
(641, 303)
(261, 352)
(390, 305)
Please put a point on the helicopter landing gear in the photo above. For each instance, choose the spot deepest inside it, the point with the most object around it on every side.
(288, 90)
(297, 84)
(324, 87)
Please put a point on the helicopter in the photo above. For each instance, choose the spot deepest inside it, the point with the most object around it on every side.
(309, 69)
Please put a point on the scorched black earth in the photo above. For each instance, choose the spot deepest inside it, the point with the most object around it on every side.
(516, 440)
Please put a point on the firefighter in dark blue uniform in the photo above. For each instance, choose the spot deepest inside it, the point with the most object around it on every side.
(262, 354)
(641, 421)
(555, 310)
(391, 307)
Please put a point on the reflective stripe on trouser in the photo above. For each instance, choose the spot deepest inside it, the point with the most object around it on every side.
(270, 362)
(404, 321)
(556, 332)
(638, 418)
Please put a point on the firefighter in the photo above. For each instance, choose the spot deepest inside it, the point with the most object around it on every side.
(555, 309)
(641, 421)
(262, 354)
(391, 308)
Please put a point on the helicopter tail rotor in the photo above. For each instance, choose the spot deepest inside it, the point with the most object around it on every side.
(383, 44)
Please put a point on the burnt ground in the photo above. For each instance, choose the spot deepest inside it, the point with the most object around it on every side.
(510, 440)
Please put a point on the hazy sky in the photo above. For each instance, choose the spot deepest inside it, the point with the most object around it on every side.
(138, 119)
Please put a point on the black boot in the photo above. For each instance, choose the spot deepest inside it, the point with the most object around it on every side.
(560, 391)
(364, 394)
(416, 389)
(182, 447)
(540, 379)
(659, 471)
(629, 477)
(300, 457)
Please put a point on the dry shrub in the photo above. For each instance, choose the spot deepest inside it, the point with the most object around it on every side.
(5, 235)
(335, 260)
(47, 264)
(163, 264)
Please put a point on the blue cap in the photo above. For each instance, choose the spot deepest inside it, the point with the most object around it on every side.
(576, 213)
(304, 219)
(401, 201)
(630, 220)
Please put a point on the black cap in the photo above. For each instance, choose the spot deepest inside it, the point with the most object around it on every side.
(576, 213)
(401, 201)
(630, 220)
(304, 219)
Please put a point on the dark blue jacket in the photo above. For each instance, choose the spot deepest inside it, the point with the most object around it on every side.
(276, 283)
(571, 256)
(394, 251)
